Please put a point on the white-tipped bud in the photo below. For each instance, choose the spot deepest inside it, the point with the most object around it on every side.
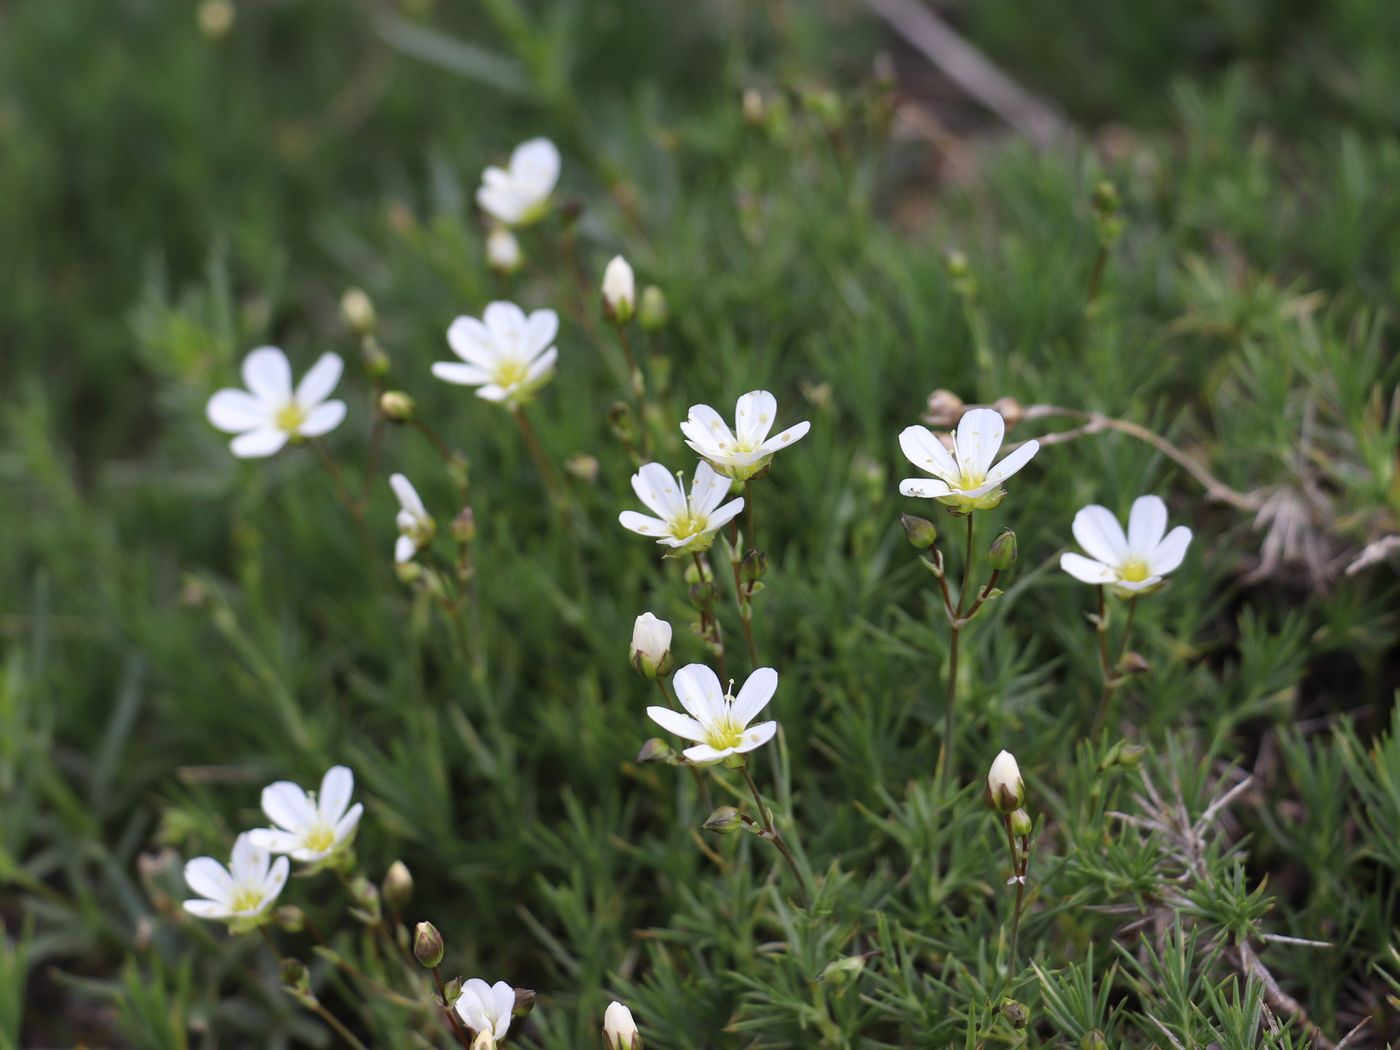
(619, 1030)
(1005, 789)
(619, 291)
(358, 310)
(651, 646)
(503, 251)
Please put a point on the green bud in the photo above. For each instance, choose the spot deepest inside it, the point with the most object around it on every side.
(1106, 199)
(654, 311)
(955, 262)
(290, 918)
(376, 360)
(459, 471)
(296, 982)
(452, 991)
(397, 888)
(524, 1002)
(724, 821)
(1093, 1041)
(1001, 555)
(428, 947)
(840, 971)
(1021, 824)
(654, 750)
(1015, 1013)
(409, 572)
(366, 897)
(754, 566)
(397, 406)
(919, 531)
(1132, 662)
(621, 422)
(703, 595)
(464, 526)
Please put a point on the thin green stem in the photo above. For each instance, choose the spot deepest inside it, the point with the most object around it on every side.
(709, 624)
(771, 833)
(451, 1012)
(334, 1022)
(638, 384)
(537, 453)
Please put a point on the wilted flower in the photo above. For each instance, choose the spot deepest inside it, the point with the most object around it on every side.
(651, 646)
(619, 1030)
(310, 827)
(487, 1008)
(1131, 564)
(1005, 789)
(270, 411)
(716, 721)
(503, 250)
(518, 194)
(508, 355)
(619, 290)
(685, 524)
(416, 526)
(744, 451)
(241, 893)
(965, 478)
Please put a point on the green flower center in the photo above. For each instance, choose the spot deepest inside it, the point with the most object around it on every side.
(687, 525)
(1134, 570)
(246, 900)
(290, 417)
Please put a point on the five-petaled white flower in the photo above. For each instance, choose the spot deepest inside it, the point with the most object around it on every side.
(310, 827)
(508, 355)
(486, 1007)
(270, 412)
(241, 893)
(965, 478)
(518, 194)
(686, 525)
(718, 722)
(416, 525)
(1131, 564)
(747, 449)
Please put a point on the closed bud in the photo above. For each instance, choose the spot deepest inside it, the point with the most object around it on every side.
(650, 653)
(464, 526)
(703, 595)
(620, 421)
(945, 408)
(955, 262)
(1005, 789)
(296, 982)
(397, 889)
(366, 896)
(452, 991)
(524, 1002)
(503, 251)
(376, 361)
(840, 971)
(358, 310)
(1016, 1014)
(754, 566)
(1093, 1041)
(654, 311)
(1106, 200)
(1001, 555)
(583, 466)
(619, 291)
(1133, 662)
(1009, 409)
(919, 531)
(216, 18)
(428, 948)
(654, 750)
(1021, 824)
(724, 821)
(619, 1030)
(755, 110)
(409, 572)
(397, 406)
(290, 918)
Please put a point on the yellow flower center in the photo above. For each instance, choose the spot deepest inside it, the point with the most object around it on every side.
(509, 373)
(724, 733)
(319, 838)
(686, 526)
(245, 900)
(1134, 570)
(967, 481)
(290, 417)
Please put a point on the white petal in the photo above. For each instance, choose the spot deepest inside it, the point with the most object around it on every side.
(720, 518)
(675, 722)
(926, 452)
(274, 840)
(493, 392)
(268, 374)
(234, 411)
(1147, 524)
(473, 342)
(318, 383)
(462, 375)
(336, 788)
(407, 495)
(348, 823)
(208, 909)
(503, 1002)
(323, 419)
(256, 444)
(1087, 570)
(755, 694)
(1098, 532)
(404, 549)
(1014, 461)
(276, 879)
(536, 163)
(924, 488)
(660, 491)
(506, 322)
(704, 754)
(786, 438)
(754, 415)
(757, 736)
(250, 861)
(540, 329)
(642, 524)
(707, 431)
(1170, 552)
(542, 366)
(707, 490)
(287, 806)
(978, 436)
(700, 692)
(207, 877)
(1137, 585)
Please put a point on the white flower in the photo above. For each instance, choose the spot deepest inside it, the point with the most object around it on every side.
(686, 525)
(508, 355)
(240, 893)
(416, 526)
(1131, 564)
(717, 722)
(619, 1030)
(503, 250)
(1005, 789)
(310, 827)
(746, 450)
(619, 290)
(518, 194)
(486, 1007)
(651, 646)
(964, 479)
(270, 412)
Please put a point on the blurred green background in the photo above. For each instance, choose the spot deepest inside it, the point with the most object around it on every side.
(178, 628)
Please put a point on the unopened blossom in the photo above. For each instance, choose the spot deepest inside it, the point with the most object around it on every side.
(1131, 564)
(518, 194)
(744, 451)
(619, 290)
(503, 250)
(270, 412)
(964, 479)
(416, 526)
(619, 1030)
(686, 524)
(310, 826)
(509, 355)
(241, 893)
(1005, 789)
(486, 1007)
(716, 721)
(650, 653)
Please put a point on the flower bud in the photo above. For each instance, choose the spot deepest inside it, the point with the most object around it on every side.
(358, 310)
(651, 646)
(524, 1002)
(1001, 555)
(1106, 200)
(945, 408)
(452, 991)
(724, 821)
(619, 1030)
(1009, 409)
(703, 595)
(620, 421)
(296, 982)
(840, 971)
(397, 888)
(1093, 1041)
(375, 359)
(464, 526)
(216, 18)
(919, 531)
(755, 109)
(1005, 789)
(654, 750)
(503, 251)
(583, 466)
(654, 311)
(397, 406)
(1016, 1014)
(409, 572)
(1021, 824)
(955, 262)
(290, 918)
(619, 291)
(366, 897)
(754, 566)
(1132, 662)
(428, 948)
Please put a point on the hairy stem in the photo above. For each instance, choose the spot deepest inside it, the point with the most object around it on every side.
(771, 833)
